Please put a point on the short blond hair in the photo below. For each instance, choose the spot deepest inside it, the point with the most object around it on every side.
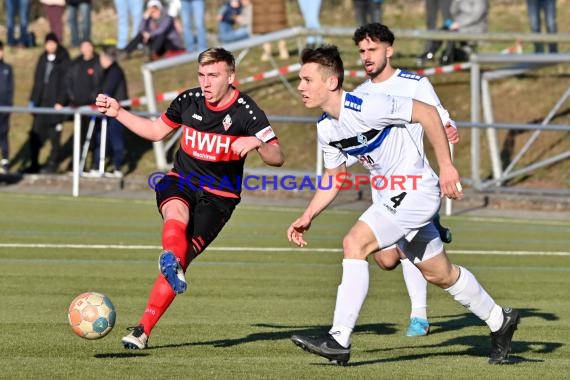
(217, 54)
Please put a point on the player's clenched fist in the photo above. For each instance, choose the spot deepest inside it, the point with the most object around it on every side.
(107, 105)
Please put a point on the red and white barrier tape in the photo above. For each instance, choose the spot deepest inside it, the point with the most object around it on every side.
(269, 74)
(171, 95)
(444, 69)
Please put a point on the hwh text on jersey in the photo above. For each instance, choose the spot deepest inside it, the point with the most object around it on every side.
(208, 146)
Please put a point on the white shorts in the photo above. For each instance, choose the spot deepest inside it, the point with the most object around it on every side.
(396, 214)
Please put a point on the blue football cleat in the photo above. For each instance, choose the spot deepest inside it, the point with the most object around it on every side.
(172, 270)
(417, 327)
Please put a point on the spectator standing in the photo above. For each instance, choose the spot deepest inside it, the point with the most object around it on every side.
(157, 32)
(21, 9)
(235, 18)
(129, 16)
(83, 79)
(53, 10)
(79, 20)
(467, 16)
(49, 90)
(311, 9)
(270, 16)
(367, 11)
(548, 8)
(193, 15)
(113, 82)
(6, 99)
(433, 7)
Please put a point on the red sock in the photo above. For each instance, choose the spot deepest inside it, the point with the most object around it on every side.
(162, 295)
(174, 239)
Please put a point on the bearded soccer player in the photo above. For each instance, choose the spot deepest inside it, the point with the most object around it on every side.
(221, 126)
(375, 45)
(363, 125)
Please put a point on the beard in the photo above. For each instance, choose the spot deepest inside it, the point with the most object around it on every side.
(377, 71)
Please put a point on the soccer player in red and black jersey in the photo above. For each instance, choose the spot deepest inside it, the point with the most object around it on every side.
(221, 126)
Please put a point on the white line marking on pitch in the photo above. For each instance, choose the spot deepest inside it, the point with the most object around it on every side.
(264, 249)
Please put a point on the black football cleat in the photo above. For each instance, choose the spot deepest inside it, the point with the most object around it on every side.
(501, 339)
(324, 346)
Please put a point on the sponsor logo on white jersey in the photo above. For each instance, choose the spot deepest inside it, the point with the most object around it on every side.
(407, 75)
(353, 103)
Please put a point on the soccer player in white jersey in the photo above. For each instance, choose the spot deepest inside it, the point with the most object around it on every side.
(362, 125)
(375, 44)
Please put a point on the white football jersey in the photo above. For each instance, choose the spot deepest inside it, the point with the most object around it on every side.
(412, 85)
(373, 128)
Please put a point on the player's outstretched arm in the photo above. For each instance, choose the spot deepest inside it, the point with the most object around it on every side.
(428, 117)
(324, 195)
(153, 130)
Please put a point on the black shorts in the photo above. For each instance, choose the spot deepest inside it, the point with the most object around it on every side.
(208, 212)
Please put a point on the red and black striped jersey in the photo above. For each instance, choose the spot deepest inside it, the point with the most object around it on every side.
(205, 157)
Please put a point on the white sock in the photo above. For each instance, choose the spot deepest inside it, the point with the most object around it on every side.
(495, 320)
(417, 289)
(349, 299)
(469, 292)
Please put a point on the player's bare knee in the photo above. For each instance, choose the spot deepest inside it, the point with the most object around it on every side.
(353, 248)
(175, 209)
(386, 261)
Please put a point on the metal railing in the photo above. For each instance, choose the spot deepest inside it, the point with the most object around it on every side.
(298, 32)
(481, 100)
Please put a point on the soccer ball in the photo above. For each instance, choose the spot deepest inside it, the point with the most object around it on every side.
(91, 315)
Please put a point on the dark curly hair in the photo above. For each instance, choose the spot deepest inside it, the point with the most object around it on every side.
(375, 31)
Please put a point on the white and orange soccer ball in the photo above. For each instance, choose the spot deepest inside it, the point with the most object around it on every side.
(91, 315)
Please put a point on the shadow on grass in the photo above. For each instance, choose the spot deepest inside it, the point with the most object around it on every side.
(475, 345)
(443, 323)
(284, 332)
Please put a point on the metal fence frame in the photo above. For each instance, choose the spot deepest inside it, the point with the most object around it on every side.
(481, 101)
(160, 148)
